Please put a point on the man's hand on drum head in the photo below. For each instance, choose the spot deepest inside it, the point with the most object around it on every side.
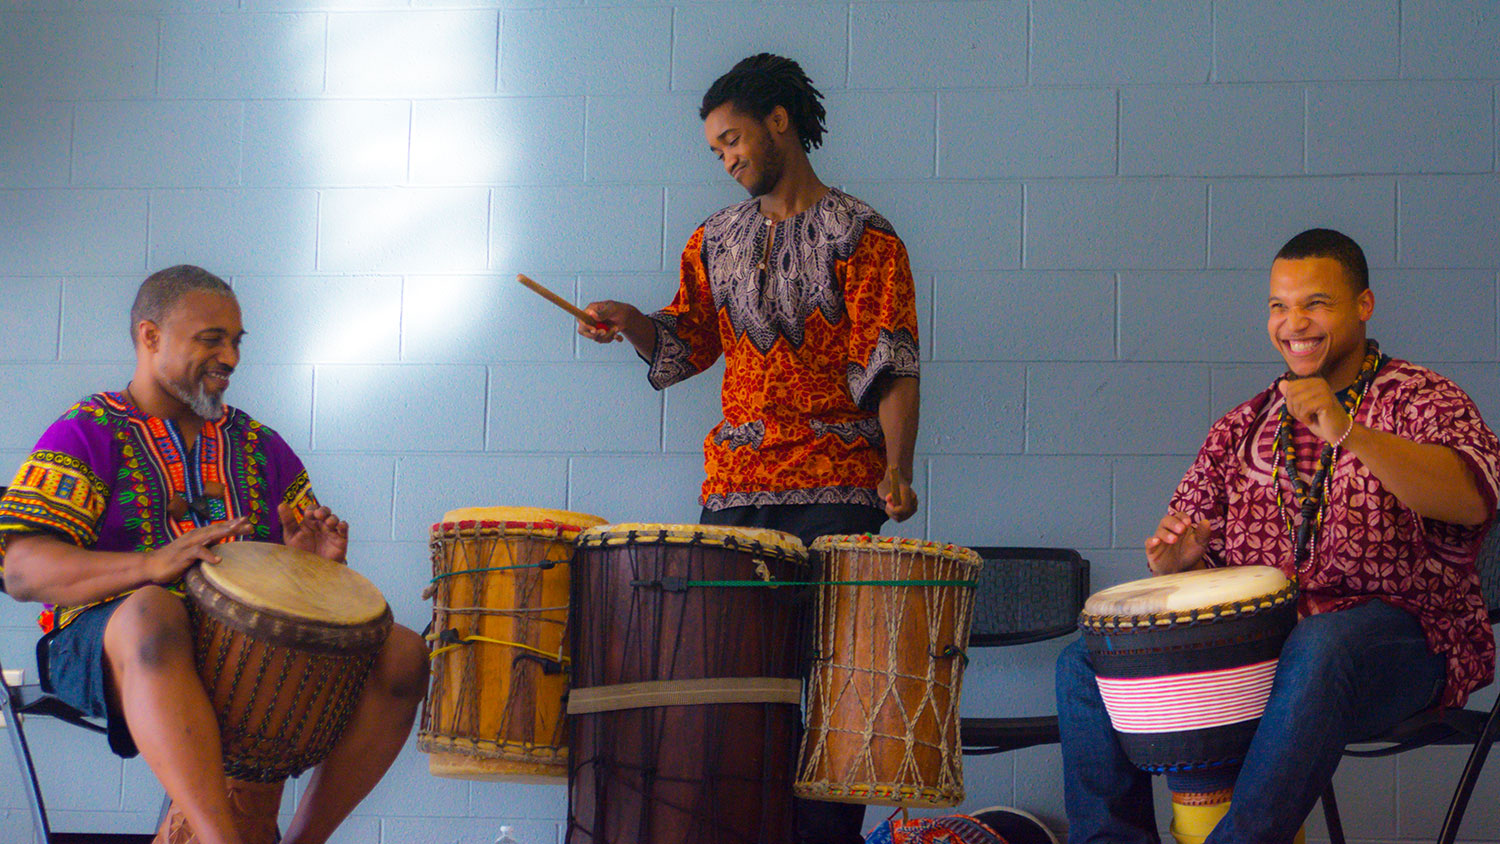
(1178, 544)
(320, 532)
(168, 562)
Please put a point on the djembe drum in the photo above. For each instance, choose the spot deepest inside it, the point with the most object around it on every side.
(500, 634)
(892, 627)
(686, 692)
(284, 641)
(1185, 664)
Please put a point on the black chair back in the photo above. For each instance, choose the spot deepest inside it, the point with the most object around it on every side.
(1024, 595)
(1488, 563)
(1027, 595)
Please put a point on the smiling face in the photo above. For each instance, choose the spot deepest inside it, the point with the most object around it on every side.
(747, 147)
(1317, 319)
(195, 348)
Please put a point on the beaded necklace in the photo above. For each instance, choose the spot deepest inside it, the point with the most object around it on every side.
(1312, 496)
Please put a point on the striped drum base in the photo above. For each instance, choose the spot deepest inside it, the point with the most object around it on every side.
(1185, 662)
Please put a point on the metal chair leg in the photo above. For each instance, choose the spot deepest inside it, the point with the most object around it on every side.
(1469, 777)
(43, 830)
(1331, 816)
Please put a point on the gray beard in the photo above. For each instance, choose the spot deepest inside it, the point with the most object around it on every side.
(203, 405)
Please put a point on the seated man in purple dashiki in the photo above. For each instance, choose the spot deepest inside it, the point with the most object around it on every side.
(127, 491)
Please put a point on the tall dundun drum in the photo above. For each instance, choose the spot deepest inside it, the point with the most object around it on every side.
(500, 634)
(1185, 661)
(284, 640)
(686, 685)
(882, 701)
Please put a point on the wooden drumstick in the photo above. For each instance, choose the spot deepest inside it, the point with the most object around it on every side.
(893, 482)
(580, 313)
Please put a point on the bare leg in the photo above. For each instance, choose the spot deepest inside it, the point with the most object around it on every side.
(378, 728)
(253, 804)
(148, 644)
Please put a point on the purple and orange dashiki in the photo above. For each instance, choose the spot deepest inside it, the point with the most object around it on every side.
(104, 475)
(1371, 546)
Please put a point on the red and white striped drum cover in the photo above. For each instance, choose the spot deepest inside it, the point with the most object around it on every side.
(1185, 661)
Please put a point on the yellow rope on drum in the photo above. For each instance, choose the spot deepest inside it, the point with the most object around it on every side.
(466, 640)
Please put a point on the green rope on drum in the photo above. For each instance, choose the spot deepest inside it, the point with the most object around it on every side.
(431, 588)
(547, 564)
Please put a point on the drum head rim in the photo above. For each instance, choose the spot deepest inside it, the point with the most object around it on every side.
(878, 542)
(523, 515)
(358, 586)
(1214, 613)
(881, 793)
(282, 628)
(469, 528)
(1192, 591)
(1274, 580)
(758, 541)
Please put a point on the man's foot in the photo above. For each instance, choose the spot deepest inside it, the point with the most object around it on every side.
(255, 806)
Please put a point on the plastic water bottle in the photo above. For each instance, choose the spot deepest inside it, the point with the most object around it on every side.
(505, 836)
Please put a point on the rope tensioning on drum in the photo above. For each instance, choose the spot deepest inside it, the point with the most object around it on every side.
(551, 663)
(430, 590)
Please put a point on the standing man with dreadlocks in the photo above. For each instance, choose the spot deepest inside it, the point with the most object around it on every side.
(807, 293)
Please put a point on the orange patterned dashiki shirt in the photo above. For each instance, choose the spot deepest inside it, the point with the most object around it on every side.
(811, 314)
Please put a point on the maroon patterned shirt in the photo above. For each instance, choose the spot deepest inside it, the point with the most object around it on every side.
(1371, 545)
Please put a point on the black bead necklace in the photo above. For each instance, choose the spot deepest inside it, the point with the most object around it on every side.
(1312, 496)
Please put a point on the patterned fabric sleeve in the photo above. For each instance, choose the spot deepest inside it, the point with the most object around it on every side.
(1439, 412)
(61, 488)
(1203, 492)
(687, 331)
(299, 495)
(880, 296)
(286, 478)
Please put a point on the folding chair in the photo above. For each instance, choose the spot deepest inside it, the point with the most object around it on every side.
(28, 700)
(1474, 728)
(1024, 595)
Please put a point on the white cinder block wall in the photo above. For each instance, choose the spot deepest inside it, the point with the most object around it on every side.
(1091, 192)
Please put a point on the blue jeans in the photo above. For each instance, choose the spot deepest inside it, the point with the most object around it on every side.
(1342, 676)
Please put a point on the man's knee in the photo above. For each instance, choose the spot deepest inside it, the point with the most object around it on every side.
(1316, 643)
(1317, 666)
(150, 629)
(401, 669)
(1073, 665)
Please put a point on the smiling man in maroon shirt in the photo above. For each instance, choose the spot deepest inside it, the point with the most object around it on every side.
(1369, 479)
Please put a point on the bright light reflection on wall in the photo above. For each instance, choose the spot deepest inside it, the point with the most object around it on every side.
(357, 332)
(402, 196)
(442, 317)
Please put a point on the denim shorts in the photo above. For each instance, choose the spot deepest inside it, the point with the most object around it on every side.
(71, 663)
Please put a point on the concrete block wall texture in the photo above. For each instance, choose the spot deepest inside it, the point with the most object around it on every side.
(1090, 193)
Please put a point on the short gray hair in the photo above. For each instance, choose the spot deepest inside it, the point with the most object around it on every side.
(161, 290)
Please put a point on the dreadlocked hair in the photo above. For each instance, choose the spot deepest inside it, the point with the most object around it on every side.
(759, 84)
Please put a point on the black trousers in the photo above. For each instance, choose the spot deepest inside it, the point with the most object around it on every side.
(817, 821)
